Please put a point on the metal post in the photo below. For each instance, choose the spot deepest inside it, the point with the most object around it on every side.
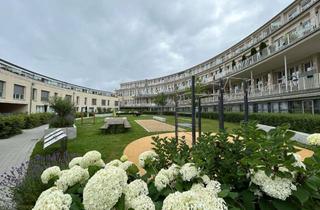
(221, 114)
(176, 117)
(199, 115)
(246, 104)
(193, 109)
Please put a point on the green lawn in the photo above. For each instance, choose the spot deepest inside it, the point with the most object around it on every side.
(111, 146)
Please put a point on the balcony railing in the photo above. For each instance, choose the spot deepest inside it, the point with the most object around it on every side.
(288, 41)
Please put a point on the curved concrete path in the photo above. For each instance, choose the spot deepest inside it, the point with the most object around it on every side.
(17, 149)
(135, 148)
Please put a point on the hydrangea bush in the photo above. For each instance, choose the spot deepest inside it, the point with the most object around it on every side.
(248, 170)
(257, 169)
(118, 185)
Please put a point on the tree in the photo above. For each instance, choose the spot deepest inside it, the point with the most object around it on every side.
(160, 100)
(65, 112)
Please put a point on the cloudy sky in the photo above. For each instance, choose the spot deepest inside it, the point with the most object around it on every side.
(100, 43)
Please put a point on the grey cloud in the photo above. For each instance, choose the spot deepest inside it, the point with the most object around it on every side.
(102, 43)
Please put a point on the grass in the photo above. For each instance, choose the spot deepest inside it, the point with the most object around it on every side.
(111, 146)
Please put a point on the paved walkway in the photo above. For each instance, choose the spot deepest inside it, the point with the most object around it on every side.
(135, 148)
(156, 126)
(17, 149)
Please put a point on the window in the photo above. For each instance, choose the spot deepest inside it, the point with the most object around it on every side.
(103, 102)
(18, 92)
(108, 102)
(44, 96)
(2, 83)
(116, 103)
(78, 99)
(68, 97)
(85, 101)
(34, 94)
(94, 102)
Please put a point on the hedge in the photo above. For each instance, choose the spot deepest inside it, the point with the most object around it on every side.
(11, 125)
(299, 122)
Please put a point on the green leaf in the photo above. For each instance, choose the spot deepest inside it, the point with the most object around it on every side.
(120, 205)
(265, 205)
(93, 169)
(302, 195)
(284, 205)
(224, 193)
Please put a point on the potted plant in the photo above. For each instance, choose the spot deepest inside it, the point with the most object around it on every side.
(64, 117)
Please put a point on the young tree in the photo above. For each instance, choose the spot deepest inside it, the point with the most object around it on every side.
(65, 112)
(161, 101)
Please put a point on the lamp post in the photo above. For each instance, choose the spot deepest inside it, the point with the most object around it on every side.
(221, 108)
(193, 109)
(199, 115)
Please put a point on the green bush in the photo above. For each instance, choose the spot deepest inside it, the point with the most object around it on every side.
(246, 162)
(65, 113)
(13, 124)
(298, 122)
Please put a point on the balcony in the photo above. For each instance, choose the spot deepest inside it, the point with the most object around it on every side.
(288, 41)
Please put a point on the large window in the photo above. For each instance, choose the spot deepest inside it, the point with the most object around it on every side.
(45, 96)
(2, 83)
(18, 92)
(34, 94)
(68, 97)
(103, 102)
(94, 102)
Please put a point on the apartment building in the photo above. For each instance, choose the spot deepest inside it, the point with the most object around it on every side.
(24, 91)
(280, 61)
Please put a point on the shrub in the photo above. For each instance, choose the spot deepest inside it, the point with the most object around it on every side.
(11, 125)
(298, 122)
(37, 119)
(65, 113)
(257, 169)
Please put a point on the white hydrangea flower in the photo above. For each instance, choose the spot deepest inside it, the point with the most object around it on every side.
(214, 186)
(298, 162)
(53, 199)
(75, 161)
(49, 173)
(126, 165)
(197, 198)
(104, 188)
(115, 163)
(136, 188)
(124, 158)
(142, 202)
(92, 158)
(280, 188)
(314, 139)
(70, 177)
(172, 172)
(205, 179)
(161, 181)
(147, 155)
(189, 171)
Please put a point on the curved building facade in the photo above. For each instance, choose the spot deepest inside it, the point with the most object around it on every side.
(280, 61)
(24, 91)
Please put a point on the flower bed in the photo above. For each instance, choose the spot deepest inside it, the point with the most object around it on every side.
(256, 170)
